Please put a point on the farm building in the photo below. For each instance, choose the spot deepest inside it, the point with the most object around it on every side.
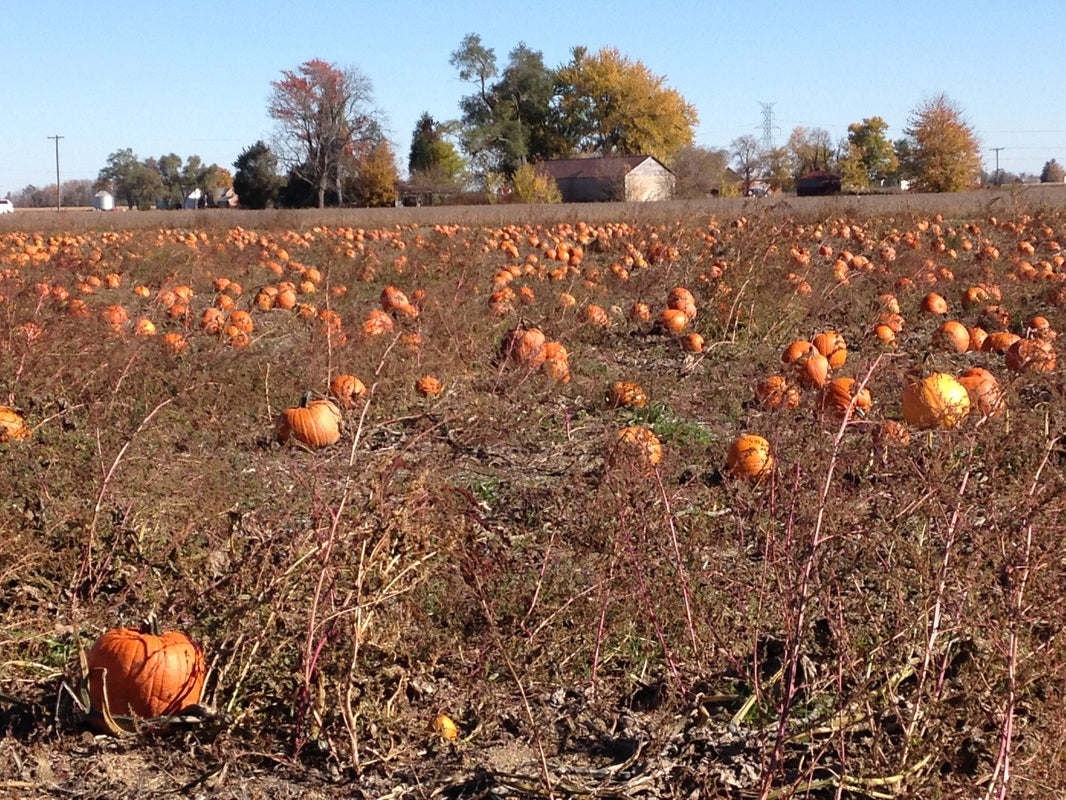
(103, 200)
(819, 182)
(629, 178)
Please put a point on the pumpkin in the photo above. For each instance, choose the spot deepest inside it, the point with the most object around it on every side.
(556, 362)
(938, 400)
(843, 397)
(984, 391)
(637, 443)
(749, 457)
(682, 299)
(428, 386)
(999, 342)
(934, 303)
(144, 674)
(1030, 355)
(692, 343)
(952, 336)
(315, 423)
(627, 394)
(775, 392)
(12, 425)
(445, 727)
(831, 345)
(673, 320)
(524, 346)
(796, 351)
(813, 370)
(891, 433)
(346, 389)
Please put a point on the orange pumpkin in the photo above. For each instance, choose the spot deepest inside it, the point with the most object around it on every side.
(984, 391)
(12, 425)
(673, 320)
(831, 345)
(524, 346)
(315, 423)
(640, 444)
(1030, 355)
(346, 389)
(144, 674)
(626, 394)
(428, 386)
(843, 397)
(775, 392)
(682, 299)
(749, 457)
(952, 336)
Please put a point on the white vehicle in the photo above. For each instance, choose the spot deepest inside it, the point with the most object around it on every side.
(6, 206)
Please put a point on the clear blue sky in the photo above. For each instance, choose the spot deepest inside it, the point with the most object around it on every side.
(193, 77)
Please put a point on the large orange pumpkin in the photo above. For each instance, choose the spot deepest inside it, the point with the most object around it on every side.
(936, 401)
(144, 674)
(315, 423)
(749, 457)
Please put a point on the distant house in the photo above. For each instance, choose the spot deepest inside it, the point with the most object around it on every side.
(226, 198)
(192, 199)
(819, 182)
(628, 178)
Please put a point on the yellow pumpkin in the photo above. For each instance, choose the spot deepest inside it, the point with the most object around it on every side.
(936, 401)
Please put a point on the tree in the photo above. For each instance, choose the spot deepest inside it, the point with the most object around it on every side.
(943, 154)
(136, 182)
(509, 119)
(1052, 172)
(810, 150)
(432, 159)
(869, 157)
(610, 105)
(747, 159)
(375, 179)
(256, 180)
(531, 186)
(700, 172)
(324, 120)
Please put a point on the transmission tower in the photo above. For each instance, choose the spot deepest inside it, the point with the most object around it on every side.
(768, 126)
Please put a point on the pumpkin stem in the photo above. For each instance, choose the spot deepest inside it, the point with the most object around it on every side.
(305, 401)
(151, 625)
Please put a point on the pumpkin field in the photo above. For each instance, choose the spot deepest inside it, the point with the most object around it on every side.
(739, 499)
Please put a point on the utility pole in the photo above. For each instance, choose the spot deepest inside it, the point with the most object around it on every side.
(57, 137)
(996, 151)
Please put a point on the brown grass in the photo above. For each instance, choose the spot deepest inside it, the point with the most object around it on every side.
(867, 621)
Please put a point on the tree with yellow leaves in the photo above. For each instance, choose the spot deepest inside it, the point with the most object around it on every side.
(612, 105)
(943, 153)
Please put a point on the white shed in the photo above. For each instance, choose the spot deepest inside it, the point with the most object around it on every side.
(103, 200)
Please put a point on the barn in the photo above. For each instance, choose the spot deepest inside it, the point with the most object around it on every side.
(602, 179)
(819, 182)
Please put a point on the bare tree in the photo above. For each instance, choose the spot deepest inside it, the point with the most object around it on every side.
(325, 122)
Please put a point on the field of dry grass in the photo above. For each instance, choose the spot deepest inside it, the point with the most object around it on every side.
(871, 617)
